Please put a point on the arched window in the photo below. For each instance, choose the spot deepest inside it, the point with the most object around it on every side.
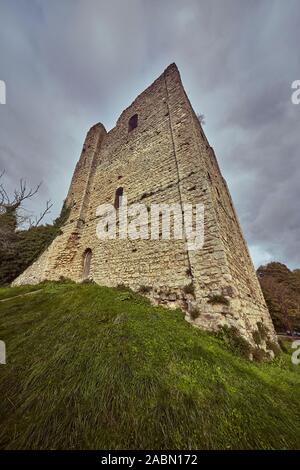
(118, 198)
(133, 122)
(87, 261)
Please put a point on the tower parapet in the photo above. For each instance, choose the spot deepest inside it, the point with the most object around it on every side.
(80, 188)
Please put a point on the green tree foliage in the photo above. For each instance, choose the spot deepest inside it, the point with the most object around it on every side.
(281, 289)
(23, 247)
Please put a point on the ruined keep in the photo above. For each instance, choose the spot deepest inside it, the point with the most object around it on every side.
(158, 153)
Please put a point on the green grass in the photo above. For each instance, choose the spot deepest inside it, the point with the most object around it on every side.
(91, 367)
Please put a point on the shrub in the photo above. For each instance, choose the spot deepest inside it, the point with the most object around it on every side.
(282, 345)
(194, 313)
(218, 299)
(88, 281)
(189, 289)
(121, 287)
(256, 337)
(259, 355)
(273, 347)
(145, 289)
(263, 331)
(65, 280)
(235, 342)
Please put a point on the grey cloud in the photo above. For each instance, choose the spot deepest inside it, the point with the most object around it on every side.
(71, 63)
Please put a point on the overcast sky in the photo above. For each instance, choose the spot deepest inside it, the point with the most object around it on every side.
(68, 64)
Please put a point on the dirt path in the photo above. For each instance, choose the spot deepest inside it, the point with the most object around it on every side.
(21, 295)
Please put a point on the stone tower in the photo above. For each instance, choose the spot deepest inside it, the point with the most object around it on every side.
(158, 153)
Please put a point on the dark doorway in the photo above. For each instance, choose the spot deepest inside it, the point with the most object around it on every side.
(87, 261)
(118, 198)
(133, 122)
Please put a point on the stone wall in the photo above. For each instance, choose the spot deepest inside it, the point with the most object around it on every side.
(165, 159)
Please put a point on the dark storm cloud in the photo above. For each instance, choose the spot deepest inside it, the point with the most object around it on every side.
(69, 64)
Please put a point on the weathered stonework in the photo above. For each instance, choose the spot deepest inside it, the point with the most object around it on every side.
(165, 159)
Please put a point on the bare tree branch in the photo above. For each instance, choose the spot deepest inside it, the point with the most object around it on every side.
(13, 213)
(19, 196)
(47, 210)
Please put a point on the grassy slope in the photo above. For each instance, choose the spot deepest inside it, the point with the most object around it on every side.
(92, 367)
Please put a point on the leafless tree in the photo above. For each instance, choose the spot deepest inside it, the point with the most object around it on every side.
(19, 195)
(38, 219)
(13, 213)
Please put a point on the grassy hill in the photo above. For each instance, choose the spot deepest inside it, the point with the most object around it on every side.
(92, 367)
